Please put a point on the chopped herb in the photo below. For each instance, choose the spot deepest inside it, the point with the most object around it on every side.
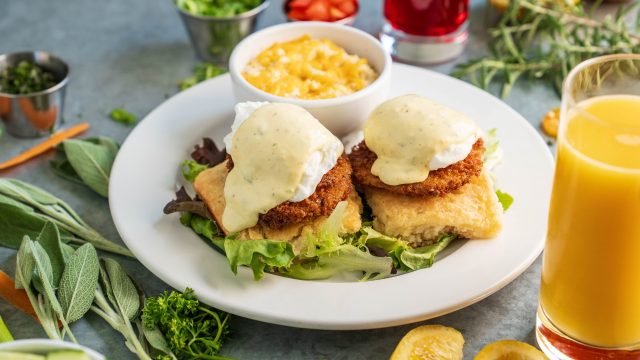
(201, 73)
(505, 199)
(217, 8)
(123, 116)
(25, 78)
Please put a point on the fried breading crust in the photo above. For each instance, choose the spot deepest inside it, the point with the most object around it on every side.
(439, 182)
(334, 187)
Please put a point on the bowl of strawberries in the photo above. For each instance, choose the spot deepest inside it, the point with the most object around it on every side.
(335, 11)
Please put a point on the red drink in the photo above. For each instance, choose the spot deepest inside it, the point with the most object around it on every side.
(426, 17)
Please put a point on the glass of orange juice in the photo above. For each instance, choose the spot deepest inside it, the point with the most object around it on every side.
(590, 290)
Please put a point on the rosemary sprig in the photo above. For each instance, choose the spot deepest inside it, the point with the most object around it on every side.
(544, 42)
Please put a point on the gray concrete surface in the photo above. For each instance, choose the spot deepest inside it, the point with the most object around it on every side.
(131, 54)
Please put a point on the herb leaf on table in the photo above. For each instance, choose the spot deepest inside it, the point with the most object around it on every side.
(92, 163)
(88, 161)
(78, 282)
(123, 116)
(36, 207)
(49, 239)
(125, 293)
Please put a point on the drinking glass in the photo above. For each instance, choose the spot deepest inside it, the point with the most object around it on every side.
(425, 31)
(590, 290)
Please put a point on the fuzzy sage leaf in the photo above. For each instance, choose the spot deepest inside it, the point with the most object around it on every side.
(92, 162)
(25, 264)
(43, 268)
(49, 239)
(78, 283)
(44, 207)
(125, 294)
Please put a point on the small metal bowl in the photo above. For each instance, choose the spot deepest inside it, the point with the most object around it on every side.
(36, 114)
(213, 38)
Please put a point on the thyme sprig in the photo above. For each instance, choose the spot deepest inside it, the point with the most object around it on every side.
(544, 40)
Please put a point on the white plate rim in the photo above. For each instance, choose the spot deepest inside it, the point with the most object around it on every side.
(347, 322)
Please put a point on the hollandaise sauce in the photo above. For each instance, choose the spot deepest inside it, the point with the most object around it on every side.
(270, 152)
(408, 132)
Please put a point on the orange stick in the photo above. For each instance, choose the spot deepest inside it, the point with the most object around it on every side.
(16, 297)
(46, 145)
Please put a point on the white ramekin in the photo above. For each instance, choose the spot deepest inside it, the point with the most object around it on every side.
(340, 115)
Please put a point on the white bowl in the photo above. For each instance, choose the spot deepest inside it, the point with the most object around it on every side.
(340, 115)
(42, 346)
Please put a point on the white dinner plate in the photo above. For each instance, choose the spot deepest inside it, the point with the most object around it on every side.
(144, 176)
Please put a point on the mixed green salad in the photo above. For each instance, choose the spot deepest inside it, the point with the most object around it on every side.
(217, 8)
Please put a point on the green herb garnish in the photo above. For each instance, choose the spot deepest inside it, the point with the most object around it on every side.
(217, 8)
(201, 73)
(544, 42)
(505, 199)
(25, 78)
(191, 329)
(123, 116)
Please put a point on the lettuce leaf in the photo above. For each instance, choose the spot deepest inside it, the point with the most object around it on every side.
(191, 169)
(201, 226)
(493, 152)
(405, 257)
(345, 258)
(325, 254)
(423, 257)
(505, 199)
(259, 255)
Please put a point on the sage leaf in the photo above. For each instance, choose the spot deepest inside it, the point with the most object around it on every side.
(78, 283)
(156, 339)
(9, 201)
(49, 239)
(106, 284)
(124, 291)
(43, 268)
(25, 264)
(43, 275)
(26, 193)
(15, 223)
(92, 163)
(45, 206)
(67, 252)
(62, 167)
(109, 144)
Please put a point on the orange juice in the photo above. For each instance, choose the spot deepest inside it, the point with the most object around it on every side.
(591, 270)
